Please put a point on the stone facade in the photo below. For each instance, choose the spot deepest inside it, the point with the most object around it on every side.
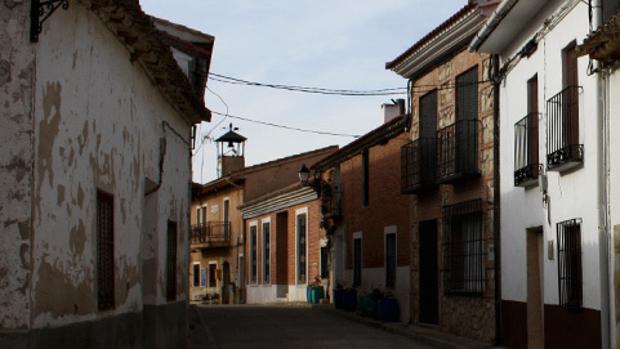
(461, 315)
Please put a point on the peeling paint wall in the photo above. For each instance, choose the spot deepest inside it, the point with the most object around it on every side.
(98, 125)
(16, 74)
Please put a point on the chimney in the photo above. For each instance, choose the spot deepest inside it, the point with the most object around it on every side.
(393, 110)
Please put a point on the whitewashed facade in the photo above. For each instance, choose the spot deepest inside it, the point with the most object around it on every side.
(532, 40)
(81, 116)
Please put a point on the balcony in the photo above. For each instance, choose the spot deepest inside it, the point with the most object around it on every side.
(526, 163)
(563, 149)
(418, 165)
(211, 234)
(457, 151)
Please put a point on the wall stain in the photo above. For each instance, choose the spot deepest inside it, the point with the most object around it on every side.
(5, 72)
(80, 197)
(77, 239)
(83, 138)
(60, 190)
(48, 130)
(57, 293)
(19, 166)
(24, 255)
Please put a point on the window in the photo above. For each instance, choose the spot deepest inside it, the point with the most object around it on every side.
(196, 274)
(390, 260)
(324, 262)
(526, 139)
(302, 235)
(464, 248)
(212, 275)
(569, 264)
(105, 251)
(564, 151)
(266, 253)
(204, 215)
(171, 262)
(365, 178)
(226, 218)
(198, 215)
(253, 266)
(357, 262)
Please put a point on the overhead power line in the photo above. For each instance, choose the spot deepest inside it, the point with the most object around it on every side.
(285, 126)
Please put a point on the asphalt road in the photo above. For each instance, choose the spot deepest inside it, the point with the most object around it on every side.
(273, 327)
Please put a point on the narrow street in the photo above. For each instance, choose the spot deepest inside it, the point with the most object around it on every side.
(287, 327)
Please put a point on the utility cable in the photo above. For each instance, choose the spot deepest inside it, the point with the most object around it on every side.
(287, 127)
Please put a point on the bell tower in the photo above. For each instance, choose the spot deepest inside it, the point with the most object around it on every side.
(230, 152)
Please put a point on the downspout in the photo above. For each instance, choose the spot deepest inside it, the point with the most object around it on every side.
(496, 201)
(605, 255)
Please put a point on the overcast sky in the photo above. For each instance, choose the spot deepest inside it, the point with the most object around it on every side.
(341, 44)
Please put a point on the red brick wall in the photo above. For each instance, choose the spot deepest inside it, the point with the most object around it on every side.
(315, 234)
(386, 207)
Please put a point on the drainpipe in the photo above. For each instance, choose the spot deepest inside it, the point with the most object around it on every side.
(605, 255)
(496, 201)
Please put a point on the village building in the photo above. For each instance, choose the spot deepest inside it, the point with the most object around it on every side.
(219, 263)
(603, 46)
(365, 214)
(448, 172)
(554, 183)
(97, 105)
(286, 248)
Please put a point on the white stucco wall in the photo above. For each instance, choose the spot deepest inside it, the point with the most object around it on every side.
(98, 126)
(572, 194)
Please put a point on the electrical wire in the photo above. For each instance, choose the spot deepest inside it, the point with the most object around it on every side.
(206, 136)
(287, 127)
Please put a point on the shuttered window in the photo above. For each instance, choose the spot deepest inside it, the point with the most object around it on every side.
(105, 251)
(302, 235)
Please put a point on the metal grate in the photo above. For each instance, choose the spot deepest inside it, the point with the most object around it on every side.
(457, 150)
(526, 167)
(418, 165)
(171, 262)
(563, 128)
(302, 235)
(105, 251)
(569, 264)
(464, 252)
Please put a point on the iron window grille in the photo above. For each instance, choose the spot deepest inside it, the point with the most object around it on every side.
(105, 251)
(464, 252)
(526, 167)
(418, 165)
(253, 266)
(302, 235)
(390, 260)
(457, 151)
(171, 262)
(569, 264)
(564, 150)
(266, 253)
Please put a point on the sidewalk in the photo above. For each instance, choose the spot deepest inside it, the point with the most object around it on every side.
(421, 334)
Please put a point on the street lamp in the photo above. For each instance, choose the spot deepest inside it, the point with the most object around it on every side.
(303, 173)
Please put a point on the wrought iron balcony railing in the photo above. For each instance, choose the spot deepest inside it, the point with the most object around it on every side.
(457, 151)
(418, 165)
(211, 234)
(564, 151)
(526, 166)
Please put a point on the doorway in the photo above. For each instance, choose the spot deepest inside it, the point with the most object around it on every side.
(535, 313)
(429, 286)
(281, 272)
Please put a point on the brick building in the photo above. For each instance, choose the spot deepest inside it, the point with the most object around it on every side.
(219, 260)
(447, 168)
(369, 220)
(284, 245)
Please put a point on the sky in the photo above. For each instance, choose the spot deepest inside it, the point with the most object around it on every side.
(340, 44)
